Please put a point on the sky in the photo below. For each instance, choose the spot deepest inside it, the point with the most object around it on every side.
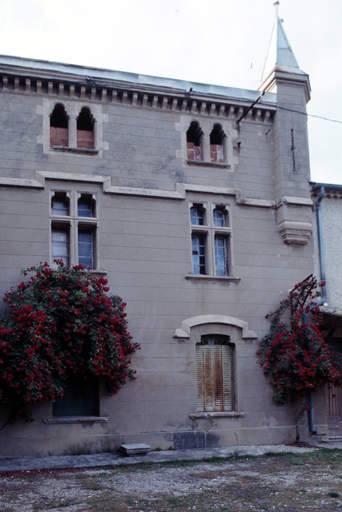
(222, 42)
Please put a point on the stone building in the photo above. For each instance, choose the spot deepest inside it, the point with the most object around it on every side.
(194, 201)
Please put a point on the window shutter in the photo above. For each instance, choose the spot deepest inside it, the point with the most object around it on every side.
(208, 373)
(199, 378)
(213, 375)
(227, 378)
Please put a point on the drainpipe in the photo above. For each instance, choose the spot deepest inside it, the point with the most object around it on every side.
(324, 288)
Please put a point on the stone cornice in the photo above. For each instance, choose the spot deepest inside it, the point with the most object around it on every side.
(66, 86)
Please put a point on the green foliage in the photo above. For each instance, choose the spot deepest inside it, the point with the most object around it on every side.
(60, 322)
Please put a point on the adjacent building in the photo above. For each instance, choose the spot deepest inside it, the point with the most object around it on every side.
(328, 261)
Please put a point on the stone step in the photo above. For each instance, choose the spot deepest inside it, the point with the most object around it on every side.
(135, 449)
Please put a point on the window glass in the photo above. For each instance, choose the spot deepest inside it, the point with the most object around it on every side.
(60, 245)
(219, 218)
(81, 397)
(198, 254)
(221, 256)
(196, 216)
(84, 207)
(85, 248)
(60, 205)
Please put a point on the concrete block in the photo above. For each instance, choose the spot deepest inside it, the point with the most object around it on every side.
(135, 449)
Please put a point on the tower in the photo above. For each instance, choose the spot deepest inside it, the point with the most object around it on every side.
(283, 76)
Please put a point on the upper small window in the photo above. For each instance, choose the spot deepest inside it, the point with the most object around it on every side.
(60, 204)
(217, 138)
(85, 206)
(219, 218)
(196, 216)
(85, 129)
(193, 142)
(59, 126)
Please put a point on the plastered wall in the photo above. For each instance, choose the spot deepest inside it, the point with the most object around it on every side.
(144, 245)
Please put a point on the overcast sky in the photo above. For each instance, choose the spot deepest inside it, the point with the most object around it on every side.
(221, 42)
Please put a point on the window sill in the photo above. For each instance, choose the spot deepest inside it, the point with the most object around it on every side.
(100, 271)
(60, 420)
(82, 151)
(213, 278)
(208, 164)
(227, 414)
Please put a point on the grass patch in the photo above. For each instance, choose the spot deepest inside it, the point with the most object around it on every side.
(333, 494)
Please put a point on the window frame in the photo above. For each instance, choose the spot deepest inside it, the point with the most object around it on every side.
(74, 223)
(210, 232)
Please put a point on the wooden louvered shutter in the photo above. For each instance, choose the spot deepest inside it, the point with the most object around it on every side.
(214, 378)
(199, 378)
(227, 378)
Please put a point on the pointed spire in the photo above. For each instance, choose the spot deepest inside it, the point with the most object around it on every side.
(280, 55)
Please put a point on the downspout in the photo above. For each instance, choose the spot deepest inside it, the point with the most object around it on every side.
(324, 290)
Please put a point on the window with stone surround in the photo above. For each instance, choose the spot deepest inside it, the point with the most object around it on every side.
(72, 131)
(210, 239)
(207, 144)
(74, 226)
(214, 374)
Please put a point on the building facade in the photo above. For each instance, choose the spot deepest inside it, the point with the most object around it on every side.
(193, 200)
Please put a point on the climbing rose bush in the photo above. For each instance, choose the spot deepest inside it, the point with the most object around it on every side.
(60, 322)
(294, 354)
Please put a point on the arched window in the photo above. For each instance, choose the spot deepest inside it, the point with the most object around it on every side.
(217, 146)
(59, 126)
(85, 129)
(214, 374)
(194, 142)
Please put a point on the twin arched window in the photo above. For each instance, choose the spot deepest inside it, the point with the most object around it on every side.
(195, 144)
(60, 128)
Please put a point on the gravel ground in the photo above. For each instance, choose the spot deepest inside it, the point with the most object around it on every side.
(291, 482)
